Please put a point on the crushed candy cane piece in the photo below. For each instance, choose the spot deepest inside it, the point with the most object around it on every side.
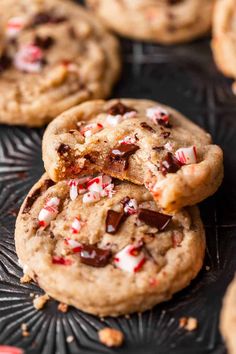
(73, 244)
(131, 207)
(14, 26)
(91, 129)
(76, 226)
(29, 59)
(168, 146)
(91, 197)
(127, 140)
(157, 114)
(130, 259)
(61, 260)
(73, 183)
(48, 212)
(187, 155)
(113, 120)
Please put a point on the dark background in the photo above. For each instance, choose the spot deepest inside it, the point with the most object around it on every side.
(186, 78)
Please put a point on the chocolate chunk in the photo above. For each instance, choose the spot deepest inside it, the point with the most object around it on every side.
(120, 108)
(147, 127)
(5, 62)
(114, 220)
(44, 17)
(63, 149)
(94, 256)
(154, 219)
(33, 197)
(165, 135)
(116, 165)
(169, 164)
(124, 150)
(164, 123)
(174, 2)
(44, 42)
(158, 148)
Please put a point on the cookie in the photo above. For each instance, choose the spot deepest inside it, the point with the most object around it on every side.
(223, 42)
(163, 21)
(228, 318)
(53, 55)
(137, 140)
(110, 255)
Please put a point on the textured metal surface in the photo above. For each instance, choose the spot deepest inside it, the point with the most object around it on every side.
(185, 78)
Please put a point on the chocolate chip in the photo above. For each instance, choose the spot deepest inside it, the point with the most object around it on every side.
(44, 42)
(63, 149)
(165, 135)
(124, 150)
(36, 194)
(164, 123)
(154, 218)
(94, 256)
(169, 164)
(120, 108)
(147, 127)
(5, 62)
(114, 220)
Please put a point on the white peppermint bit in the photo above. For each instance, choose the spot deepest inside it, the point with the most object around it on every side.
(29, 59)
(14, 26)
(48, 212)
(127, 140)
(129, 259)
(131, 207)
(187, 155)
(113, 120)
(91, 197)
(157, 113)
(91, 129)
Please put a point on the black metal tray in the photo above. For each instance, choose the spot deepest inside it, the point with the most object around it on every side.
(186, 78)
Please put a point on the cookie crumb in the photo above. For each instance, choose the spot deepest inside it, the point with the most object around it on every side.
(207, 268)
(25, 279)
(24, 330)
(40, 301)
(188, 323)
(69, 339)
(111, 337)
(32, 295)
(62, 307)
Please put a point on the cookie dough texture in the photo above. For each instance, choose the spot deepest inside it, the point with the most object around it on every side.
(187, 186)
(228, 318)
(162, 21)
(73, 59)
(174, 256)
(224, 31)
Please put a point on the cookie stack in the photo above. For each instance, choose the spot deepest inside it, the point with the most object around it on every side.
(110, 228)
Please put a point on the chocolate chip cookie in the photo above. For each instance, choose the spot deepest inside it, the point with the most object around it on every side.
(136, 140)
(163, 21)
(228, 318)
(53, 55)
(103, 246)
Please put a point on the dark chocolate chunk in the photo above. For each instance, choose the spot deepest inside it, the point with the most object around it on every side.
(165, 135)
(120, 108)
(164, 123)
(147, 127)
(5, 62)
(169, 164)
(33, 197)
(63, 149)
(94, 256)
(44, 42)
(154, 218)
(124, 150)
(44, 17)
(158, 148)
(114, 220)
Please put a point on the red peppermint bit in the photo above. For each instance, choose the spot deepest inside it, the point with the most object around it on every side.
(139, 266)
(5, 349)
(61, 260)
(153, 281)
(42, 223)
